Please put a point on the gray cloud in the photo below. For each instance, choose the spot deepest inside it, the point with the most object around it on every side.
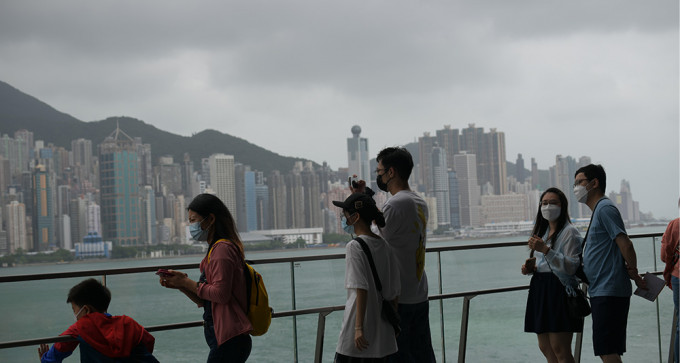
(571, 78)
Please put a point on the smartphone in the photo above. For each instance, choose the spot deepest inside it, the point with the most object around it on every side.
(163, 272)
(530, 264)
(353, 181)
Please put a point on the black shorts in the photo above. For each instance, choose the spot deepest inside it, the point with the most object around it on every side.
(610, 317)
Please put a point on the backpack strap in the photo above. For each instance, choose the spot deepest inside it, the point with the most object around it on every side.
(367, 251)
(213, 246)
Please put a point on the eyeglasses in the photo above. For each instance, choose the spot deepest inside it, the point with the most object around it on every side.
(580, 181)
(549, 202)
(378, 170)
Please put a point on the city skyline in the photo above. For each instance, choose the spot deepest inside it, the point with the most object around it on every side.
(61, 208)
(571, 78)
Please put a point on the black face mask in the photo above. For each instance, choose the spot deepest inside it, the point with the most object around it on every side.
(382, 186)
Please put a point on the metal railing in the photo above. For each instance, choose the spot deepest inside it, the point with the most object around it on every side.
(326, 310)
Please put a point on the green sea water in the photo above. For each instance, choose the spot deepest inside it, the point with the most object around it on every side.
(38, 308)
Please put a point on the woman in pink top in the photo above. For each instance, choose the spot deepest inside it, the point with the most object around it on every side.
(221, 289)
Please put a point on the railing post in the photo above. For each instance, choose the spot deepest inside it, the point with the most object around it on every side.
(292, 293)
(320, 334)
(658, 319)
(465, 316)
(441, 306)
(674, 332)
(104, 280)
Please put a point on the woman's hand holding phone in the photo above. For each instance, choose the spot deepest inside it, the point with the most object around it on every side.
(170, 278)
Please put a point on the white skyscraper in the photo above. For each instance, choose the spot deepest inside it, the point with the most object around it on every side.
(357, 155)
(223, 181)
(466, 173)
(16, 227)
(440, 183)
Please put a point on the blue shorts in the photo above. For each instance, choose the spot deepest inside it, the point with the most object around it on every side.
(610, 317)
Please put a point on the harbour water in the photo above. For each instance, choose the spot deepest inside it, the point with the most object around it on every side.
(38, 308)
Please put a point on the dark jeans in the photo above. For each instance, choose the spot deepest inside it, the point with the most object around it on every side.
(414, 341)
(236, 349)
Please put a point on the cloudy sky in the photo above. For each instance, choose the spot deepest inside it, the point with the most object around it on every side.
(595, 78)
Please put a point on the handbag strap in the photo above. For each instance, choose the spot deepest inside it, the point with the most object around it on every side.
(367, 251)
(583, 248)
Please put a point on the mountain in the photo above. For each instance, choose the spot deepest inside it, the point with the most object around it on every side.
(21, 111)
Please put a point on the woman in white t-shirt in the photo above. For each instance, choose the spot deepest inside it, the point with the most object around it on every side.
(365, 335)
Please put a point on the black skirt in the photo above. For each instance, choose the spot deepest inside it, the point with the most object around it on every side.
(547, 307)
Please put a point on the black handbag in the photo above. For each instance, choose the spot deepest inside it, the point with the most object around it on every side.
(578, 306)
(388, 311)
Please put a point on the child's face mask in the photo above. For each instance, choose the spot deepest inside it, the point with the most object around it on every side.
(75, 316)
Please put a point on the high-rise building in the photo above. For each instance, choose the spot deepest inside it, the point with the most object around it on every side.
(295, 198)
(250, 200)
(94, 222)
(261, 202)
(188, 179)
(312, 203)
(425, 145)
(5, 179)
(440, 184)
(144, 163)
(468, 188)
(534, 174)
(624, 202)
(63, 229)
(562, 177)
(119, 179)
(16, 150)
(170, 176)
(245, 198)
(82, 161)
(520, 173)
(17, 236)
(454, 200)
(449, 140)
(78, 213)
(149, 222)
(357, 155)
(278, 201)
(44, 210)
(223, 181)
(489, 149)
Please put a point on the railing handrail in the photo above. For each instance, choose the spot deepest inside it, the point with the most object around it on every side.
(122, 271)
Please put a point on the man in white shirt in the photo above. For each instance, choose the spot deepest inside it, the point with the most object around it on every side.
(405, 232)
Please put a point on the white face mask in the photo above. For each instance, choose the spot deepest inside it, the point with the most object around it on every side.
(551, 211)
(581, 193)
(75, 316)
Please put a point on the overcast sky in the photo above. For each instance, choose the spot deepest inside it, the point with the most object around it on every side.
(596, 78)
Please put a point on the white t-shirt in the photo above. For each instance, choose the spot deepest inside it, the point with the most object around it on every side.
(405, 232)
(377, 331)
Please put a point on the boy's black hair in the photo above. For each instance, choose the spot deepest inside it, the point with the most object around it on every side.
(90, 292)
(592, 171)
(398, 158)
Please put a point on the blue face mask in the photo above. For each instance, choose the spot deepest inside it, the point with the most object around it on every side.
(198, 233)
(348, 228)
